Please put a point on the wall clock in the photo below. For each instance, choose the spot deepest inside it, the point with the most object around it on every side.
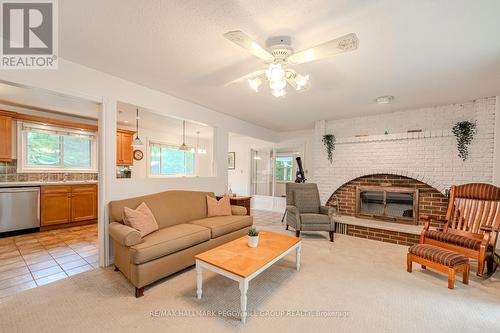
(138, 155)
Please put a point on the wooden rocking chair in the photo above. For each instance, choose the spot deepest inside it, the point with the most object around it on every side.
(471, 225)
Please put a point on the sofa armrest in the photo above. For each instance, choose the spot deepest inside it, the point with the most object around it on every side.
(124, 235)
(238, 210)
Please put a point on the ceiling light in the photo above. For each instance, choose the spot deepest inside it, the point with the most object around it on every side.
(279, 93)
(302, 81)
(198, 149)
(137, 141)
(183, 147)
(255, 83)
(384, 99)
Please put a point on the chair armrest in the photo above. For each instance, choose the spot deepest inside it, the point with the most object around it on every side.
(489, 228)
(124, 235)
(238, 210)
(327, 210)
(293, 217)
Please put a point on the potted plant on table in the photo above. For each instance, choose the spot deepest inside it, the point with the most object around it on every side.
(253, 237)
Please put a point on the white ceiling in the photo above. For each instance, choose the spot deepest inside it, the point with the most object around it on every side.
(424, 52)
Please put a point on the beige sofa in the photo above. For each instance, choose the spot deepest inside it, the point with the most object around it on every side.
(185, 230)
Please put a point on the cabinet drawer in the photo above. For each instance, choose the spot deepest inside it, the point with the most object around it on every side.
(55, 189)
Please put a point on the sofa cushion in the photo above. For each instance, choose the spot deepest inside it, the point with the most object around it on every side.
(168, 240)
(221, 225)
(314, 219)
(220, 207)
(141, 219)
(448, 237)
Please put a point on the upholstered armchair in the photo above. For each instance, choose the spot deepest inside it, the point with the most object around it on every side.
(305, 212)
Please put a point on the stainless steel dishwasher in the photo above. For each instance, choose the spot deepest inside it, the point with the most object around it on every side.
(19, 208)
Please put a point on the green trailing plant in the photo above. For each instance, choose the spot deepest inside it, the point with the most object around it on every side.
(329, 142)
(464, 131)
(252, 232)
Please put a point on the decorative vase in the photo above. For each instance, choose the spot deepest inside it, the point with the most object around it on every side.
(253, 241)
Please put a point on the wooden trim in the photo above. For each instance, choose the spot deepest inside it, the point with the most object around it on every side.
(57, 122)
(119, 130)
(8, 113)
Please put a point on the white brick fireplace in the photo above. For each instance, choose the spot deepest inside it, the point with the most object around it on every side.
(429, 156)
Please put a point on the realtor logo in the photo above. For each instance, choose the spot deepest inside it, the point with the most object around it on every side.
(29, 31)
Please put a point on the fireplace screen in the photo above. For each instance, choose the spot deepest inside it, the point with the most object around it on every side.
(388, 203)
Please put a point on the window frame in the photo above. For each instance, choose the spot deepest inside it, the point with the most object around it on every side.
(22, 148)
(152, 143)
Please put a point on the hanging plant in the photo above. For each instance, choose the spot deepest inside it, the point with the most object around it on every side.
(329, 142)
(464, 131)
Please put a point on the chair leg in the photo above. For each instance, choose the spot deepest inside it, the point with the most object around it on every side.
(139, 292)
(297, 233)
(408, 263)
(116, 269)
(451, 279)
(480, 268)
(423, 266)
(490, 263)
(465, 277)
(287, 227)
(331, 236)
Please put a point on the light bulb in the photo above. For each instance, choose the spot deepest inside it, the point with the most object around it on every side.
(275, 72)
(277, 84)
(279, 93)
(255, 83)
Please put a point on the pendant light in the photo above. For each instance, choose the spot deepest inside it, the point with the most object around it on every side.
(198, 149)
(137, 142)
(183, 147)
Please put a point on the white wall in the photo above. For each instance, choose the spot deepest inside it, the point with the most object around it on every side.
(430, 156)
(76, 80)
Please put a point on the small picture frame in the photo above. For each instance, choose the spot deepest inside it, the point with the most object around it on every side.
(231, 160)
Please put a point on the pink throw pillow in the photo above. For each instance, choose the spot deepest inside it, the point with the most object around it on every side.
(141, 219)
(218, 208)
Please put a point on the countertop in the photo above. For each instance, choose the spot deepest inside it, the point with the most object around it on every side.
(19, 184)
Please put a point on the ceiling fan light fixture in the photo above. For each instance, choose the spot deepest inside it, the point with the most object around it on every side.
(302, 81)
(275, 72)
(279, 93)
(255, 83)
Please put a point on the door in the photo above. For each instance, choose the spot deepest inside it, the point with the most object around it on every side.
(55, 205)
(83, 203)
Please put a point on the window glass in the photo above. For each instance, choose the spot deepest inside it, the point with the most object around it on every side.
(43, 150)
(166, 160)
(77, 152)
(284, 168)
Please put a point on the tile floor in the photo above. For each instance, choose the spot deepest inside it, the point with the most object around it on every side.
(36, 259)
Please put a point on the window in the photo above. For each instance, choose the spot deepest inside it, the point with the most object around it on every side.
(49, 148)
(284, 168)
(166, 160)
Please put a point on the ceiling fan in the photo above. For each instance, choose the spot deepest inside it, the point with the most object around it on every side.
(279, 55)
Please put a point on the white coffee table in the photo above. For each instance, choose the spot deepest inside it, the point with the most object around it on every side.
(241, 263)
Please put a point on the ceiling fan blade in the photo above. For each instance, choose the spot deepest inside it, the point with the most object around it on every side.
(246, 77)
(342, 44)
(242, 39)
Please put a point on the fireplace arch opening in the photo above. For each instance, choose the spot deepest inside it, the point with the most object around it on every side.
(389, 197)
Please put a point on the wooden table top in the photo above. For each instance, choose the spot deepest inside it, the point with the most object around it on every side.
(240, 259)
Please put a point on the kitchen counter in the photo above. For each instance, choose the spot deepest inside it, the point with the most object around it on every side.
(19, 184)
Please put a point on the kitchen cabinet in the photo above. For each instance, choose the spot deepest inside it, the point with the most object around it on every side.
(124, 149)
(60, 204)
(5, 138)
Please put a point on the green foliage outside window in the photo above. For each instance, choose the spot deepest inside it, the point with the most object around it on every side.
(284, 168)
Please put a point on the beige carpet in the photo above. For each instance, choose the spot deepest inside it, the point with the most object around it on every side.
(364, 280)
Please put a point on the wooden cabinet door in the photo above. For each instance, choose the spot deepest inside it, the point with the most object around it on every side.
(118, 148)
(83, 203)
(127, 149)
(5, 138)
(55, 205)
